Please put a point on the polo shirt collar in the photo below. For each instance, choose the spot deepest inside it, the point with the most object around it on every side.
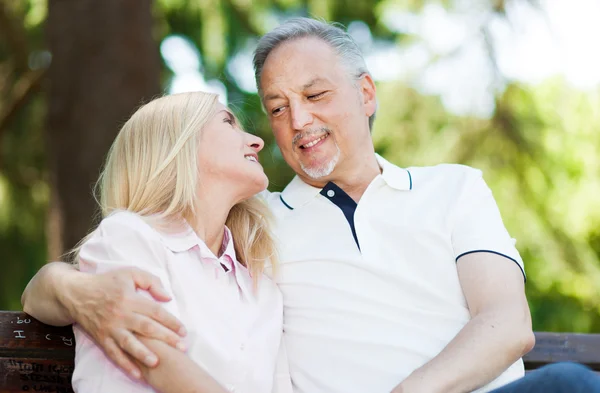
(182, 238)
(178, 237)
(297, 192)
(395, 177)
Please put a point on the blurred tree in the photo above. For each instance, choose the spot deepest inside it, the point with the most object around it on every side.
(105, 63)
(23, 186)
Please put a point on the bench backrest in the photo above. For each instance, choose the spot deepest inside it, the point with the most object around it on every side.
(564, 347)
(34, 357)
(39, 358)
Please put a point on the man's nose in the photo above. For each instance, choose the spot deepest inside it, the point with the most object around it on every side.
(301, 116)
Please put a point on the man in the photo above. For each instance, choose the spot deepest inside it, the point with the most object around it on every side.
(401, 280)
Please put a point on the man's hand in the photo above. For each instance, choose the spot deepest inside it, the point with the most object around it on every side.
(108, 307)
(110, 310)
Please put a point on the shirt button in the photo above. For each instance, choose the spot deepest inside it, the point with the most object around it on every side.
(242, 347)
(231, 388)
(330, 193)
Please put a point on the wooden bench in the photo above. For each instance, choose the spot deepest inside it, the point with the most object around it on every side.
(38, 358)
(34, 357)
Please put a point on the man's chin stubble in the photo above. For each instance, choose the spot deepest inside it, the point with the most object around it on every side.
(323, 170)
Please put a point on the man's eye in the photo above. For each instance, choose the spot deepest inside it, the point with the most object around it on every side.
(277, 110)
(316, 96)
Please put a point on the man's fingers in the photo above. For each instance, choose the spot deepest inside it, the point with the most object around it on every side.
(115, 354)
(149, 282)
(131, 345)
(158, 313)
(150, 328)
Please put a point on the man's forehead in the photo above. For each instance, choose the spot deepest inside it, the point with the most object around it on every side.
(300, 62)
(315, 81)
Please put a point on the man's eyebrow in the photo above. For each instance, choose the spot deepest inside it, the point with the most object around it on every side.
(307, 85)
(313, 82)
(270, 97)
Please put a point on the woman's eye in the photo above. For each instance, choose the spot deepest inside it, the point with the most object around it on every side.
(228, 120)
(276, 110)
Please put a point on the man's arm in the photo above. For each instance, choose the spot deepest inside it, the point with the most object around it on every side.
(176, 372)
(41, 299)
(108, 308)
(498, 334)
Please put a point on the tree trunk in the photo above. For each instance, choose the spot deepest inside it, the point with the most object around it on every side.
(105, 63)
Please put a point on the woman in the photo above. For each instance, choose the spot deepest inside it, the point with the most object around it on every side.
(177, 189)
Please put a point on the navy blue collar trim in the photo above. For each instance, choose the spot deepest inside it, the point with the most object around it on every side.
(346, 204)
(286, 205)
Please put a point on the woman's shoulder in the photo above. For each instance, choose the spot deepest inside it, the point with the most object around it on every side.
(127, 223)
(175, 235)
(123, 238)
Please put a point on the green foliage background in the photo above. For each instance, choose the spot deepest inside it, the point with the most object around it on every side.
(538, 150)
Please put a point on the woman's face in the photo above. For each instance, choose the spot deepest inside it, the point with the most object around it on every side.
(229, 155)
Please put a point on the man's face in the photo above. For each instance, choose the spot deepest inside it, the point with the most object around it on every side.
(318, 113)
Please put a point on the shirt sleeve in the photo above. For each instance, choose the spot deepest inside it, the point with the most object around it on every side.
(121, 240)
(478, 226)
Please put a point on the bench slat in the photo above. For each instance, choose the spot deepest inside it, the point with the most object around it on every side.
(563, 347)
(35, 375)
(34, 357)
(23, 336)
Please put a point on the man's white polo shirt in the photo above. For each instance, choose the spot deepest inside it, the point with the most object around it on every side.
(371, 291)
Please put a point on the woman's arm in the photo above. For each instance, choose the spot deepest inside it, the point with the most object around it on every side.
(176, 372)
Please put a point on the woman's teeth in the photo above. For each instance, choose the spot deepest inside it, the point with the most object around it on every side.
(251, 158)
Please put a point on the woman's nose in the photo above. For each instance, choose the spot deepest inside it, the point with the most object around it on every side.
(256, 143)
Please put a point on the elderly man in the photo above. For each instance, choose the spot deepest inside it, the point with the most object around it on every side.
(393, 280)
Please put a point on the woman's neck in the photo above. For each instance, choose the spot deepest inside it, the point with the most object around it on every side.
(211, 216)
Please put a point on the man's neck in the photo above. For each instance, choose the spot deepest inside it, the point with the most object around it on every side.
(354, 180)
(355, 184)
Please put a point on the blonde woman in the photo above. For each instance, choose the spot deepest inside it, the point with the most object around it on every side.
(177, 189)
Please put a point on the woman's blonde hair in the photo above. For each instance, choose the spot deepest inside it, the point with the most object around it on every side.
(152, 170)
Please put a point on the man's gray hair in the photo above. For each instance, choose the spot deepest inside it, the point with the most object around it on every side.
(332, 34)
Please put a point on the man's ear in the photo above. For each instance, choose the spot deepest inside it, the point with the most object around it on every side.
(369, 96)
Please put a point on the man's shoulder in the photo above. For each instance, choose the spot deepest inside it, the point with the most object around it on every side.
(444, 170)
(454, 176)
